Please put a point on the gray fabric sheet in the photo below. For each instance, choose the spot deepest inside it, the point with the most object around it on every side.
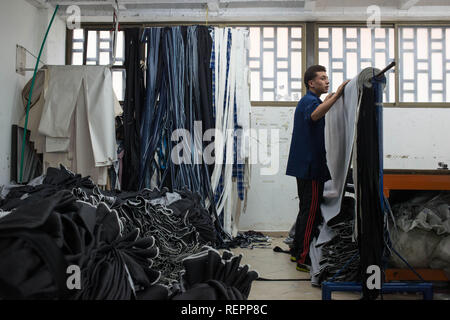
(340, 124)
(340, 136)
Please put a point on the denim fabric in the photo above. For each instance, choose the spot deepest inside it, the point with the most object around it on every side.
(148, 136)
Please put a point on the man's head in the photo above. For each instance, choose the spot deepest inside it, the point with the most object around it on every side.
(316, 79)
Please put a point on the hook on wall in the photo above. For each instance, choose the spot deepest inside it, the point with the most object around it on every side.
(116, 29)
(21, 59)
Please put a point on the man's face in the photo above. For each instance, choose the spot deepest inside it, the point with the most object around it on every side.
(320, 84)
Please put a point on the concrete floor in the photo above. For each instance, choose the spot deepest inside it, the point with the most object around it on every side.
(275, 265)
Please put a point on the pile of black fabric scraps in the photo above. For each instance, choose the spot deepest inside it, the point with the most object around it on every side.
(41, 239)
(180, 229)
(249, 239)
(340, 257)
(210, 276)
(126, 245)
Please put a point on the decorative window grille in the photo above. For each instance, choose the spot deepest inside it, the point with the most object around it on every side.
(99, 51)
(345, 51)
(275, 63)
(424, 64)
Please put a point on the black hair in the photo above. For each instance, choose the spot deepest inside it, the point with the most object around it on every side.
(310, 73)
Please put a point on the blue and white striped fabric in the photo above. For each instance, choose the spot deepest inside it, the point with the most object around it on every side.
(212, 64)
(227, 64)
(238, 165)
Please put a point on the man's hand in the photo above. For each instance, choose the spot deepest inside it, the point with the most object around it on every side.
(340, 90)
(328, 96)
(328, 102)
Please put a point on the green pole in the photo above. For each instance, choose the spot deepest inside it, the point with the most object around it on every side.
(31, 94)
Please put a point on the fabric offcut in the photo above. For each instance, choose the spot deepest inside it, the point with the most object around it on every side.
(71, 233)
(420, 232)
(223, 272)
(126, 247)
(340, 257)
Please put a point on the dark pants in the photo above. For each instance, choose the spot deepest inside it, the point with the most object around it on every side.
(310, 193)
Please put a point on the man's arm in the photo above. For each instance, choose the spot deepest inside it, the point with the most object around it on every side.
(326, 105)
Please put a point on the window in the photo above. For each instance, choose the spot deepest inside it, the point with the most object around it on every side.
(278, 54)
(275, 63)
(99, 51)
(424, 63)
(345, 51)
(77, 47)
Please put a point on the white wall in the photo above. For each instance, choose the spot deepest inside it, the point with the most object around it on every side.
(272, 199)
(23, 24)
(414, 138)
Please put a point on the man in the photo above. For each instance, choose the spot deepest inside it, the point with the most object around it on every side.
(307, 159)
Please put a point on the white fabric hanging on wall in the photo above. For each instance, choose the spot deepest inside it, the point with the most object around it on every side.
(78, 120)
(225, 197)
(220, 64)
(242, 89)
(66, 83)
(230, 87)
(240, 39)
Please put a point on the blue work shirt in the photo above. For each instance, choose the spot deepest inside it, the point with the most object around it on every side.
(307, 155)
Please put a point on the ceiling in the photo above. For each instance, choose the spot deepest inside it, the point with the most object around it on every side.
(252, 10)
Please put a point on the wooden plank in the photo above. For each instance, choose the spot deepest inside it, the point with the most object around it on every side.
(415, 182)
(416, 171)
(408, 275)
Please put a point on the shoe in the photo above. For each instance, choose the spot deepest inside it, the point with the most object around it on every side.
(303, 267)
(293, 254)
(288, 240)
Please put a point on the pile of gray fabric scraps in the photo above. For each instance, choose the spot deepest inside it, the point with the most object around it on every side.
(421, 233)
(248, 239)
(125, 245)
(340, 256)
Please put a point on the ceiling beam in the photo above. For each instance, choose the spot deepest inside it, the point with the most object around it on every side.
(407, 4)
(310, 5)
(260, 15)
(150, 2)
(40, 4)
(213, 5)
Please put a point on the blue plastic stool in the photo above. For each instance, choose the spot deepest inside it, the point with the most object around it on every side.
(390, 287)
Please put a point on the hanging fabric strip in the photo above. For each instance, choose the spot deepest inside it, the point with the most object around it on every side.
(150, 130)
(133, 103)
(195, 83)
(369, 215)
